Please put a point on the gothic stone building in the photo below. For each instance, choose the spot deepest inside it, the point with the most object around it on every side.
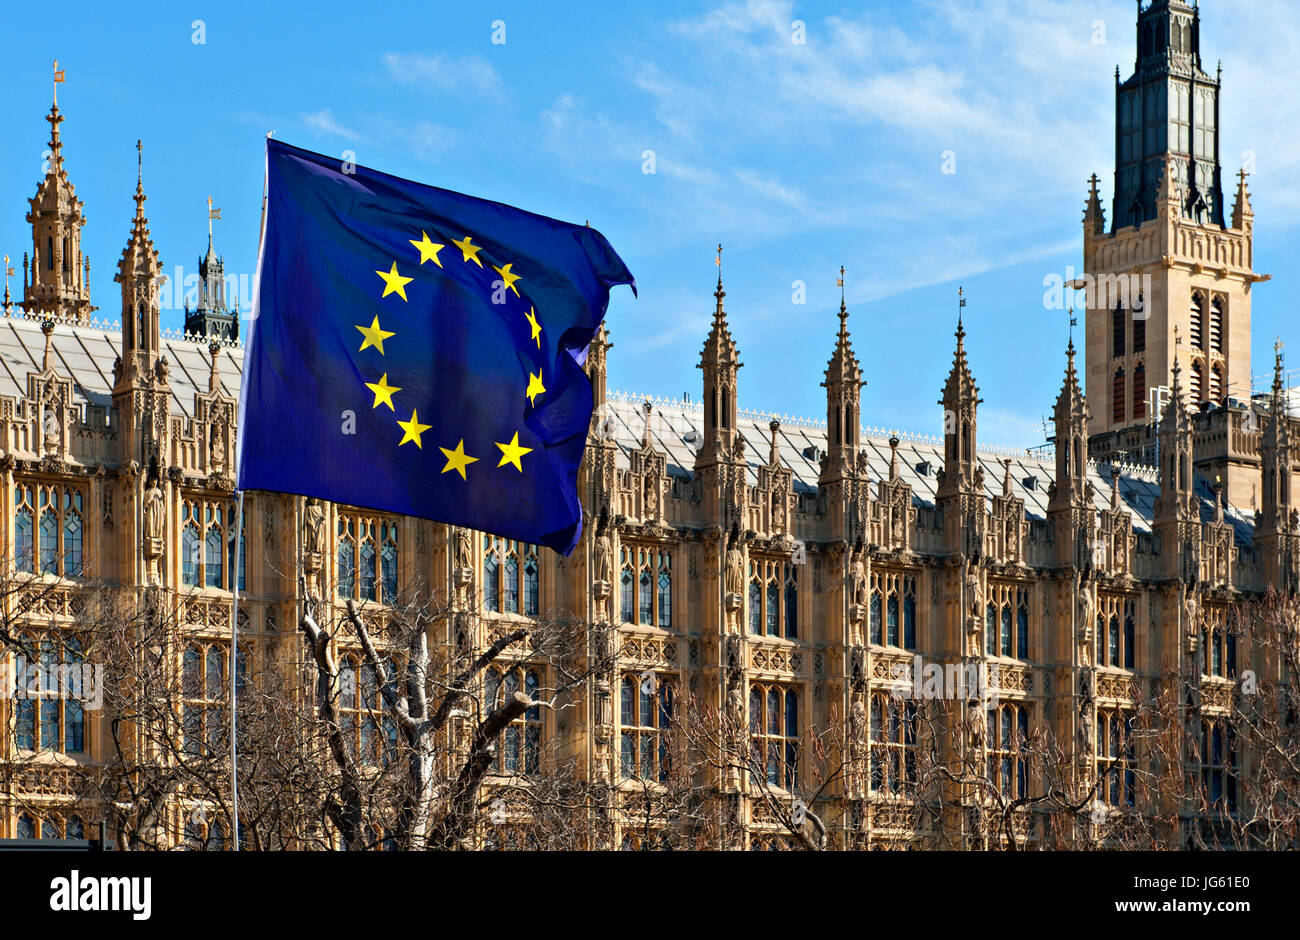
(786, 571)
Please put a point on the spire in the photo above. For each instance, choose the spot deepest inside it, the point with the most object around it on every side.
(961, 384)
(140, 197)
(960, 401)
(843, 365)
(140, 273)
(55, 119)
(1070, 420)
(211, 318)
(720, 362)
(56, 288)
(843, 386)
(1242, 211)
(1094, 216)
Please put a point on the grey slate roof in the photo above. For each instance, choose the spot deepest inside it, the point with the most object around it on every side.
(86, 353)
(672, 421)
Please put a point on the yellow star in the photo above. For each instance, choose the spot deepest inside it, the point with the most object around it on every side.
(531, 317)
(428, 250)
(535, 387)
(508, 278)
(383, 392)
(469, 251)
(394, 283)
(374, 336)
(457, 459)
(510, 453)
(413, 429)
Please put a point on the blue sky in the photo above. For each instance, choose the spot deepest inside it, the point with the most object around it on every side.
(798, 157)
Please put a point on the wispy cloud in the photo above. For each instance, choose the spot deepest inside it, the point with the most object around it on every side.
(440, 72)
(324, 124)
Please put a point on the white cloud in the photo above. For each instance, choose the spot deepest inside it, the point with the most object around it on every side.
(324, 124)
(444, 72)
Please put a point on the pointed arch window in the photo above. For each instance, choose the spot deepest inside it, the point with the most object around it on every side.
(49, 525)
(1139, 390)
(1216, 383)
(1117, 333)
(1216, 324)
(1116, 757)
(894, 730)
(519, 748)
(367, 558)
(774, 733)
(646, 586)
(1198, 384)
(1117, 396)
(626, 605)
(51, 716)
(1008, 758)
(646, 718)
(511, 576)
(1198, 320)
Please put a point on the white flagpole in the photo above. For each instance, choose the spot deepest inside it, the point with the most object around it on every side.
(234, 665)
(239, 543)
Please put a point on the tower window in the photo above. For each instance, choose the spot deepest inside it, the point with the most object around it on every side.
(1117, 321)
(1198, 316)
(1140, 391)
(1139, 331)
(1197, 384)
(1216, 383)
(1117, 396)
(1216, 324)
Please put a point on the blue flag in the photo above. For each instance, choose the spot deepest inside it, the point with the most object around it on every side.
(419, 352)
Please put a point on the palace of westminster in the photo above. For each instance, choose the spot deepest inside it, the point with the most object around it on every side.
(790, 573)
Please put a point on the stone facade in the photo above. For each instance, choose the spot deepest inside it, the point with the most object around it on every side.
(738, 555)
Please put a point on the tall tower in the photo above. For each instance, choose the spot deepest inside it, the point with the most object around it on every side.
(211, 318)
(1172, 257)
(56, 281)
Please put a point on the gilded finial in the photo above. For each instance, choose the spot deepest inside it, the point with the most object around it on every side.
(961, 306)
(58, 77)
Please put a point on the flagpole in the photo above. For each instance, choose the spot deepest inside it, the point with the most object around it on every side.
(239, 540)
(234, 665)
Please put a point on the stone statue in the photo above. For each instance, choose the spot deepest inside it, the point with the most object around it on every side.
(315, 527)
(858, 580)
(973, 591)
(604, 558)
(154, 510)
(162, 369)
(1087, 614)
(651, 496)
(778, 512)
(975, 724)
(1190, 612)
(218, 451)
(464, 549)
(735, 568)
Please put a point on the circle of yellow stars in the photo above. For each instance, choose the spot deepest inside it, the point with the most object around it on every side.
(373, 336)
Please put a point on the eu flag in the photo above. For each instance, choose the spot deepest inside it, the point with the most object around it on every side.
(418, 351)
